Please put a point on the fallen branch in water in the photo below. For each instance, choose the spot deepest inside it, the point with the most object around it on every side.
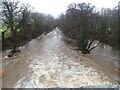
(12, 52)
(94, 46)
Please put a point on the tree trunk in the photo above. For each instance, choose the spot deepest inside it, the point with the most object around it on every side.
(14, 41)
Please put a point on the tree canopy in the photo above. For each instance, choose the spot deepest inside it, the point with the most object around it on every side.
(85, 24)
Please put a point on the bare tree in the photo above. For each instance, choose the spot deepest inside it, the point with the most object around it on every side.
(80, 23)
(14, 17)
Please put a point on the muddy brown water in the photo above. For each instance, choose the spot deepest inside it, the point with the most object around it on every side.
(107, 59)
(48, 62)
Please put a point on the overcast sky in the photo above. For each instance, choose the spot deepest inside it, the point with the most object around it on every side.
(56, 7)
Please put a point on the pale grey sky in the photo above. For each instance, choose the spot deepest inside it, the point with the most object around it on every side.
(56, 7)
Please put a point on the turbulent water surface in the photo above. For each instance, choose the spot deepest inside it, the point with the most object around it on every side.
(49, 62)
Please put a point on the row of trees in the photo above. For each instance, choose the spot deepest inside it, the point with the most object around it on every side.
(85, 24)
(22, 24)
(81, 22)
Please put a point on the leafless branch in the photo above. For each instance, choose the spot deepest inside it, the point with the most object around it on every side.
(94, 46)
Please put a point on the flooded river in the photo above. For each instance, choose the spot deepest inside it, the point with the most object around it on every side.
(48, 62)
(107, 52)
(107, 59)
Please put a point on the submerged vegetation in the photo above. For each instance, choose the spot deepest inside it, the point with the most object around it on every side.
(85, 24)
(48, 57)
(20, 24)
(81, 22)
